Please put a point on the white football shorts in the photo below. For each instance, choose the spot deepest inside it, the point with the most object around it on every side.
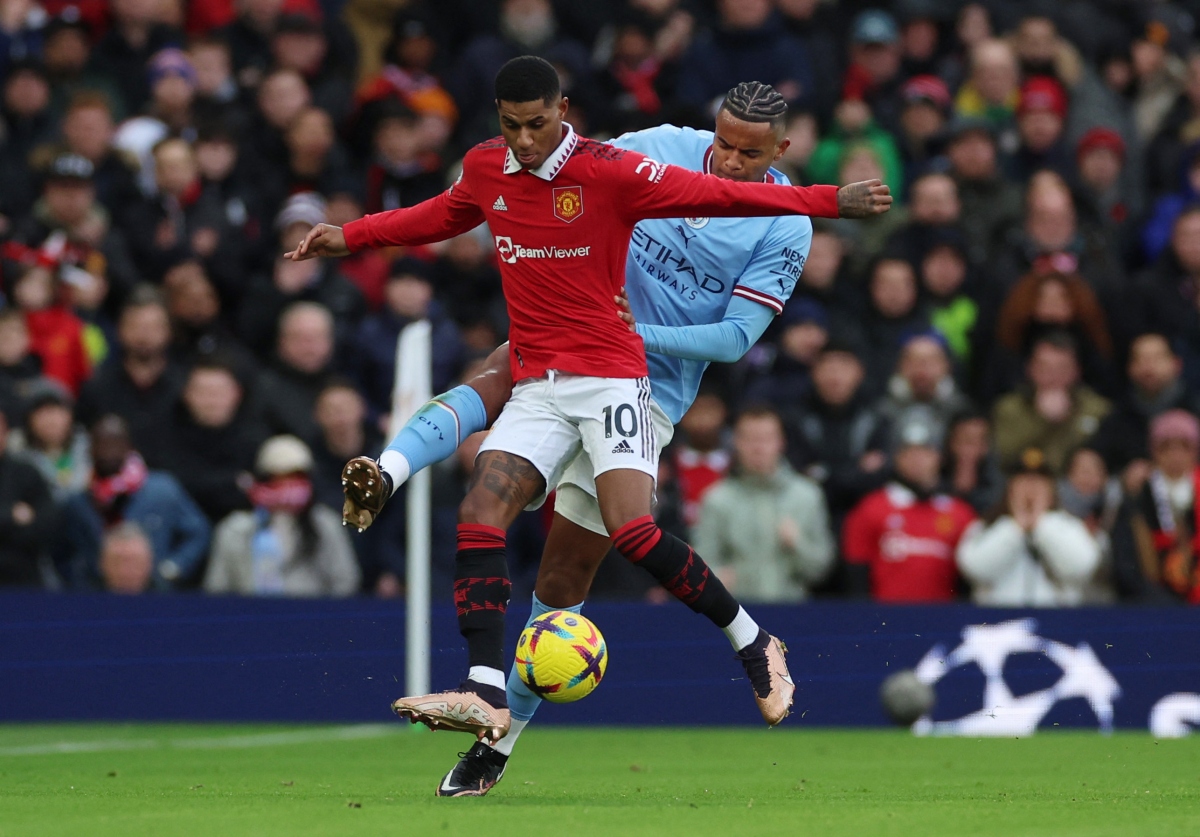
(550, 421)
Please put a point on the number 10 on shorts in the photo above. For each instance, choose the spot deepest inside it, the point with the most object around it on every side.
(624, 417)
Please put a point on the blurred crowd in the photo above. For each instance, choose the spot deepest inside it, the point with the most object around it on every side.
(989, 393)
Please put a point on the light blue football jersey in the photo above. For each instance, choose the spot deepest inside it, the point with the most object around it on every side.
(683, 271)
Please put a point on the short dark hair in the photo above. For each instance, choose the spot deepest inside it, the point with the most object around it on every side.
(527, 78)
(754, 101)
(759, 411)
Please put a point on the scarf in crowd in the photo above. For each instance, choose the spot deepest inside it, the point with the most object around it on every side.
(1180, 571)
(107, 491)
(285, 494)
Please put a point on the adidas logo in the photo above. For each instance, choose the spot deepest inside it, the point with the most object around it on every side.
(500, 205)
(623, 448)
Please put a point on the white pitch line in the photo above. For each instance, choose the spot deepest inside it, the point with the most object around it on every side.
(232, 742)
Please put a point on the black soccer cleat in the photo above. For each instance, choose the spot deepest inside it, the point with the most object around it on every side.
(477, 772)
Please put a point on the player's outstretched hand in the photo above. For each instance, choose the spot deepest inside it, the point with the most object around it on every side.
(624, 311)
(864, 199)
(321, 240)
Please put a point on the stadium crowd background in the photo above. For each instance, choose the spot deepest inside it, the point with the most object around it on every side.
(989, 393)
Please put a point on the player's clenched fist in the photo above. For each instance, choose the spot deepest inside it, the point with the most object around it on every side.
(366, 492)
(321, 240)
(864, 199)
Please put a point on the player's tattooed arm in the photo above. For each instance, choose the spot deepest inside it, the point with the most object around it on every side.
(864, 199)
(510, 479)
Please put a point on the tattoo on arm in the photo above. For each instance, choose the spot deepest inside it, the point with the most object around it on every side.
(511, 479)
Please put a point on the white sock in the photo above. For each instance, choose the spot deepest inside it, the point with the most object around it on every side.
(395, 465)
(742, 631)
(505, 745)
(487, 675)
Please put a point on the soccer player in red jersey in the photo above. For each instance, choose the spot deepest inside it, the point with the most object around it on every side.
(562, 209)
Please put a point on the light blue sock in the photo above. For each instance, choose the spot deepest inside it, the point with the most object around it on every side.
(522, 703)
(434, 432)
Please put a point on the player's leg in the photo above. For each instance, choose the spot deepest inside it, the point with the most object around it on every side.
(432, 434)
(617, 429)
(569, 563)
(523, 454)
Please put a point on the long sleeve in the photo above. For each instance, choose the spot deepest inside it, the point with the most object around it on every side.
(987, 553)
(191, 534)
(451, 213)
(650, 189)
(813, 556)
(723, 342)
(1066, 547)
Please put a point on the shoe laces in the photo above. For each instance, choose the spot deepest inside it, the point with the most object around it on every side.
(476, 765)
(754, 660)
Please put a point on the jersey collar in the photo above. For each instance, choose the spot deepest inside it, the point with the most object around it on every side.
(707, 168)
(553, 164)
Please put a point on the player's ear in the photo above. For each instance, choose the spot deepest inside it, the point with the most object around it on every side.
(563, 104)
(782, 147)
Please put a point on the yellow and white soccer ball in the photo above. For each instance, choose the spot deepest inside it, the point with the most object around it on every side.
(561, 656)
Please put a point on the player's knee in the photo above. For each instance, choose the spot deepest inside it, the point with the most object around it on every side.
(563, 585)
(484, 508)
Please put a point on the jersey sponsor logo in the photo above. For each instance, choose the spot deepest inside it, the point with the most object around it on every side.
(653, 169)
(568, 203)
(697, 223)
(509, 252)
(896, 545)
(660, 260)
(787, 272)
(500, 205)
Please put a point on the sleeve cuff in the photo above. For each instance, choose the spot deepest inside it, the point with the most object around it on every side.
(355, 234)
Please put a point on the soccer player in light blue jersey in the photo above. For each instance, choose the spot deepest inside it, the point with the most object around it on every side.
(701, 290)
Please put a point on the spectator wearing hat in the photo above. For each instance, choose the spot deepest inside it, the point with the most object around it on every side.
(764, 527)
(1156, 385)
(1030, 553)
(1041, 119)
(215, 435)
(408, 297)
(899, 542)
(836, 437)
(136, 34)
(287, 545)
(991, 204)
(289, 282)
(1156, 543)
(926, 105)
(49, 438)
(1051, 410)
(74, 234)
(123, 489)
(874, 73)
(924, 378)
(1111, 198)
(28, 517)
(139, 380)
(785, 374)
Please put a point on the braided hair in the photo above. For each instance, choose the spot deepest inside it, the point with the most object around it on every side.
(754, 101)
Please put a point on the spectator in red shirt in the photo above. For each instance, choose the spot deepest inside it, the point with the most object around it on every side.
(899, 542)
(702, 459)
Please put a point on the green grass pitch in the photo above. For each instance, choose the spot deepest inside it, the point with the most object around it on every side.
(226, 781)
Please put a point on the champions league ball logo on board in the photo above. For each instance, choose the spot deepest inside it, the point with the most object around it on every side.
(1002, 712)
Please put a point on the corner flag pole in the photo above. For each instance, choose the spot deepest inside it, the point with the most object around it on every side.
(412, 389)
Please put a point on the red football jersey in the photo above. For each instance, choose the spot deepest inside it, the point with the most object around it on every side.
(562, 232)
(908, 543)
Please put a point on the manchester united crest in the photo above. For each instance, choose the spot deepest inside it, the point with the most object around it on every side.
(568, 203)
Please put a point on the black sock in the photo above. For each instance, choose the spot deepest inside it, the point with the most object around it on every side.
(481, 592)
(677, 568)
